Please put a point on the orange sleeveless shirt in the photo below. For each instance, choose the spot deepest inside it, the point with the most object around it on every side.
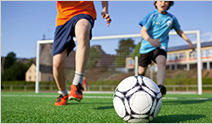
(68, 9)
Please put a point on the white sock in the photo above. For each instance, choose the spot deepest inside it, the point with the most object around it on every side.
(78, 78)
(64, 92)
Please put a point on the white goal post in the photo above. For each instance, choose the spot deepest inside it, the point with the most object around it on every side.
(199, 62)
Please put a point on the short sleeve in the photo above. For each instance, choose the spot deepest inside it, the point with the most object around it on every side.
(147, 21)
(176, 25)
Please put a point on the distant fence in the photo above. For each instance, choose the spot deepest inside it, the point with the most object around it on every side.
(53, 88)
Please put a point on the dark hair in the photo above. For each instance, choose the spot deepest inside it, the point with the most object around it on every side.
(171, 3)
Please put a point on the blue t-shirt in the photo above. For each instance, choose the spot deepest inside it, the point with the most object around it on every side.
(158, 26)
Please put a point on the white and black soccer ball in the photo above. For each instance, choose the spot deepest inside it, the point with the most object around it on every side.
(137, 99)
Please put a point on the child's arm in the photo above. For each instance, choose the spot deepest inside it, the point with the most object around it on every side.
(104, 13)
(184, 36)
(145, 35)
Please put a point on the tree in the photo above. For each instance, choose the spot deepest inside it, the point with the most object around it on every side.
(137, 49)
(125, 49)
(9, 60)
(15, 72)
(93, 57)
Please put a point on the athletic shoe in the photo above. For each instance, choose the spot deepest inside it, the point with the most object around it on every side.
(162, 89)
(76, 92)
(61, 100)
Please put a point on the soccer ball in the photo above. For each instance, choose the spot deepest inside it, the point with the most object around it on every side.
(137, 99)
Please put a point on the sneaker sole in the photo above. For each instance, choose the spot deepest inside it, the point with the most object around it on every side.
(59, 105)
(73, 98)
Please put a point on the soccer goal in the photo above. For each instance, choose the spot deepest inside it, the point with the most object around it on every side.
(104, 46)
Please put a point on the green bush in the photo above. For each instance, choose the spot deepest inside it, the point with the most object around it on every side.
(171, 81)
(25, 83)
(103, 82)
(17, 83)
(176, 81)
(186, 81)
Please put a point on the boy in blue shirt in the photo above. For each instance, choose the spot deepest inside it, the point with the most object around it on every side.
(155, 32)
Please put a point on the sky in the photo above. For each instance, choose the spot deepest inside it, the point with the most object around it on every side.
(23, 23)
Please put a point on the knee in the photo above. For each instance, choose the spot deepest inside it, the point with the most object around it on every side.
(84, 33)
(58, 66)
(141, 71)
(83, 39)
(161, 63)
(82, 30)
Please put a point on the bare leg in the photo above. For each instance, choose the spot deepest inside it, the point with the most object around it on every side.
(82, 31)
(161, 62)
(141, 70)
(58, 69)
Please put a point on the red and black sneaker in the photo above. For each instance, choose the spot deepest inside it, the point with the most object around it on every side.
(61, 100)
(76, 92)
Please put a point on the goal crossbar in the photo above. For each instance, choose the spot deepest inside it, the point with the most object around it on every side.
(199, 63)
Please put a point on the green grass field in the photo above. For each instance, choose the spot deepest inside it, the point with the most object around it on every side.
(98, 108)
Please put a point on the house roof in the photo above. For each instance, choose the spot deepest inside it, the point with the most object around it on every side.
(46, 69)
(106, 60)
(184, 47)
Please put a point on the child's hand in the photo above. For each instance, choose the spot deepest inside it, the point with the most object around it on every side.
(192, 47)
(155, 42)
(107, 18)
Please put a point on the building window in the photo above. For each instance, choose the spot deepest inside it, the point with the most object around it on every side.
(182, 56)
(203, 53)
(130, 62)
(193, 55)
(211, 52)
(207, 53)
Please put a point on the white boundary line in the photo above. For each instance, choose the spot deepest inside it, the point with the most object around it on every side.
(108, 97)
(181, 98)
(111, 92)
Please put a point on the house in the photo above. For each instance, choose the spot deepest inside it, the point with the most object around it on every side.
(45, 73)
(105, 60)
(180, 57)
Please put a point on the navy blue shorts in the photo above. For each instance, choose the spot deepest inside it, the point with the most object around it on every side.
(64, 34)
(147, 58)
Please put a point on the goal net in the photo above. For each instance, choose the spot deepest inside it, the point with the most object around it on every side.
(113, 58)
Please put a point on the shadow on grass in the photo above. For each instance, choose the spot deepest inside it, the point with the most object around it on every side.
(104, 107)
(179, 102)
(177, 118)
(87, 103)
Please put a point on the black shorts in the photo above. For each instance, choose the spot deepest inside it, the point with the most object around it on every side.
(146, 59)
(64, 34)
